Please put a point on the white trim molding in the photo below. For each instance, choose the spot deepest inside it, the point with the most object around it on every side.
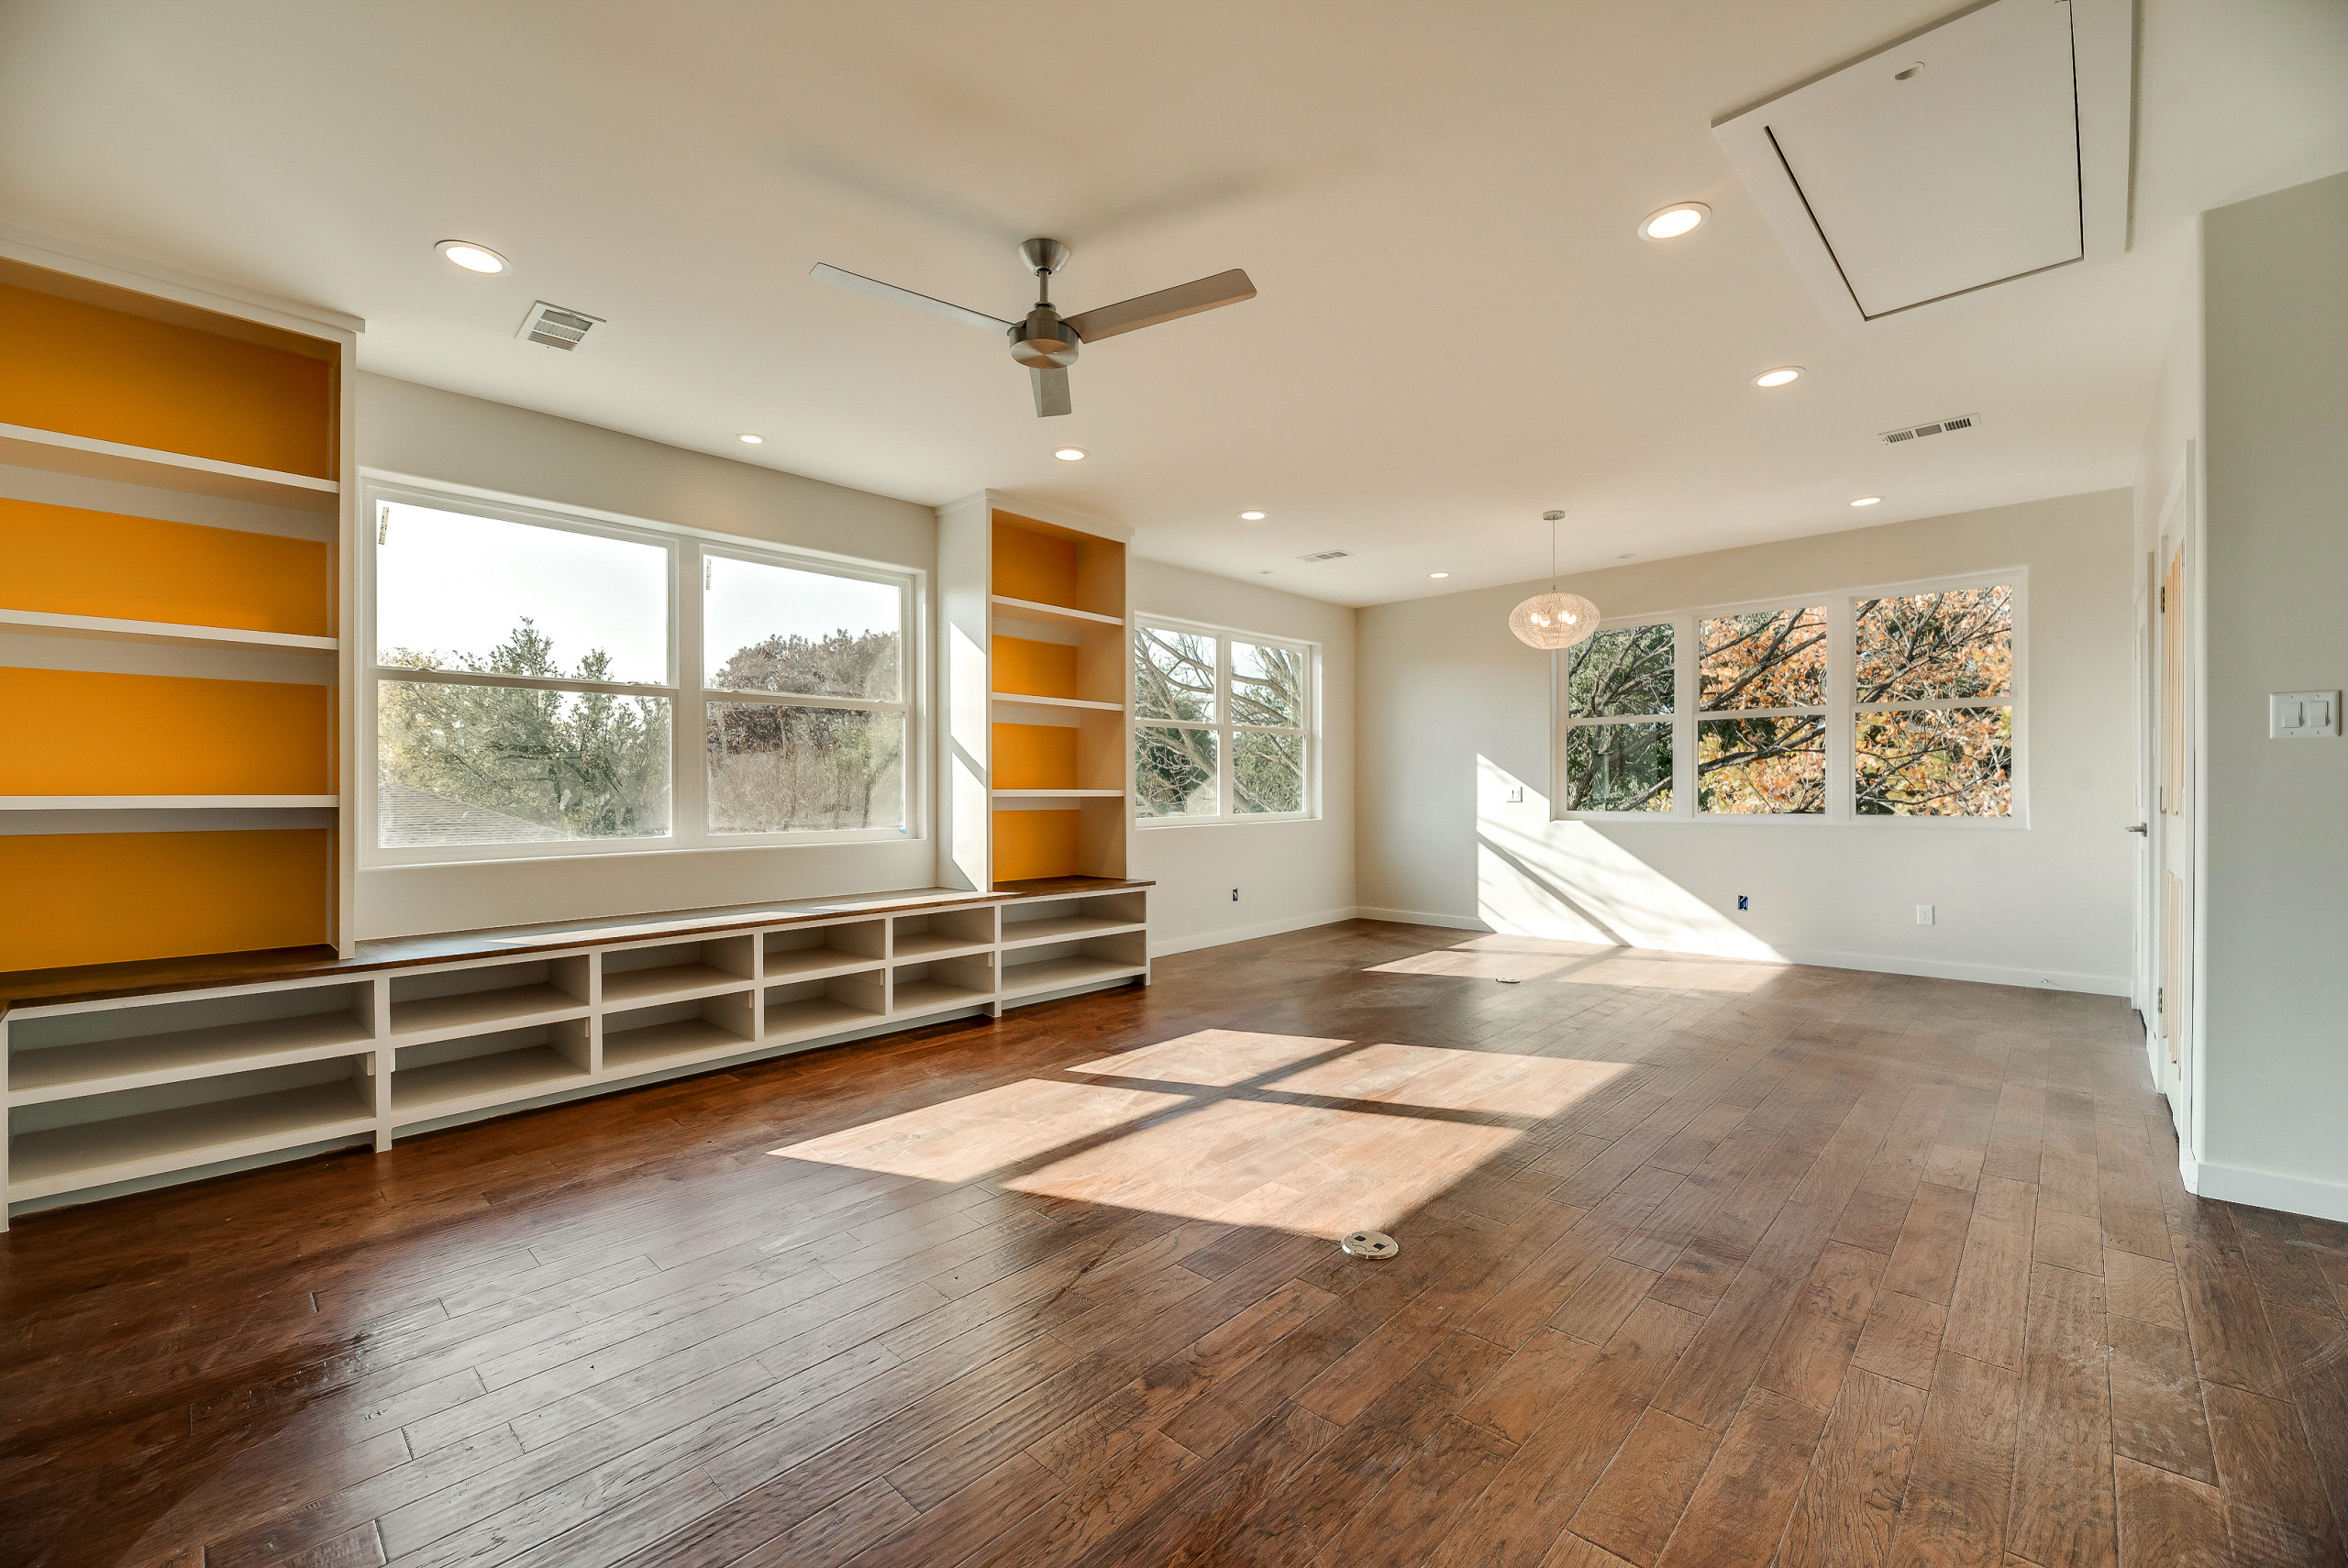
(2264, 1189)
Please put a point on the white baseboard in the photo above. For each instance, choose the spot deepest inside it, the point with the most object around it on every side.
(2265, 1189)
(1983, 974)
(1246, 932)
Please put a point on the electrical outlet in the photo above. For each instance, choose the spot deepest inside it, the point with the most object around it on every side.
(1234, 895)
(1743, 902)
(1924, 914)
(1516, 796)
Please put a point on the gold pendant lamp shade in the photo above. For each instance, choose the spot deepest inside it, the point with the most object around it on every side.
(1553, 620)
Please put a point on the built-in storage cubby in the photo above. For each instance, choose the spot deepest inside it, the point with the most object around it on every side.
(803, 1009)
(1056, 966)
(643, 1039)
(675, 971)
(811, 953)
(132, 1080)
(161, 1040)
(464, 1072)
(94, 1140)
(941, 934)
(941, 983)
(487, 996)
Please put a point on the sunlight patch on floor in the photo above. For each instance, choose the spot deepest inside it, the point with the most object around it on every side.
(1316, 1136)
(1509, 956)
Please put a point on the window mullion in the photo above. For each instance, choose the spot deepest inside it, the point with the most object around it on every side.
(1842, 739)
(688, 728)
(1686, 663)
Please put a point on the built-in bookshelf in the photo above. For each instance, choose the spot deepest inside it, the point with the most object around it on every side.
(171, 495)
(157, 1076)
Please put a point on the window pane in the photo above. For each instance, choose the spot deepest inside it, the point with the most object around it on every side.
(1173, 675)
(1775, 659)
(771, 628)
(1267, 685)
(454, 591)
(778, 768)
(1174, 772)
(1618, 768)
(497, 765)
(1764, 765)
(1937, 762)
(1623, 671)
(1267, 771)
(1927, 646)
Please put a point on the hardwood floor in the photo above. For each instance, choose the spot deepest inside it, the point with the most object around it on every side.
(1702, 1263)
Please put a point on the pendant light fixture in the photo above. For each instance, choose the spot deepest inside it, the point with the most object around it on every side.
(1553, 620)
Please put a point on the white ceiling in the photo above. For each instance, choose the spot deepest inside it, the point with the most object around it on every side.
(1456, 326)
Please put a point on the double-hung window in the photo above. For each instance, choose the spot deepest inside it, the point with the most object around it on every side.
(1223, 725)
(555, 683)
(1897, 702)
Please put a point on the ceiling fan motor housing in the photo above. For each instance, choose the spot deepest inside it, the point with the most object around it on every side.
(1043, 341)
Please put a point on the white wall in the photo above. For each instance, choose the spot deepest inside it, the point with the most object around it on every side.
(2273, 983)
(424, 433)
(1454, 713)
(1290, 875)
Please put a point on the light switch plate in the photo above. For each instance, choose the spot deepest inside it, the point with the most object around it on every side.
(2302, 715)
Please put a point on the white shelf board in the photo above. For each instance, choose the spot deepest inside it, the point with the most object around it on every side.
(166, 802)
(47, 623)
(93, 1153)
(96, 1067)
(931, 996)
(1061, 928)
(447, 1087)
(816, 1015)
(661, 1044)
(923, 946)
(480, 1012)
(1051, 974)
(672, 982)
(25, 447)
(1021, 698)
(797, 963)
(1059, 794)
(1054, 614)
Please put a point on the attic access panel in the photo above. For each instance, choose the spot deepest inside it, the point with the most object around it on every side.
(1987, 149)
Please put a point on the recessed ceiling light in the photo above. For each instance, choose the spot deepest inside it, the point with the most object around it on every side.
(470, 257)
(1070, 454)
(1869, 501)
(1680, 217)
(749, 439)
(1251, 517)
(1438, 574)
(1778, 377)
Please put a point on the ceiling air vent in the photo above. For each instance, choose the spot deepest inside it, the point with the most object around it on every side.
(1938, 427)
(556, 327)
(1326, 556)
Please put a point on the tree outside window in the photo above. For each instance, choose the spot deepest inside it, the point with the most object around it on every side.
(1221, 725)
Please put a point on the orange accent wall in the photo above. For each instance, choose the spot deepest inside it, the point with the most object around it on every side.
(85, 370)
(1035, 757)
(108, 897)
(74, 731)
(1038, 568)
(1033, 668)
(70, 561)
(1034, 843)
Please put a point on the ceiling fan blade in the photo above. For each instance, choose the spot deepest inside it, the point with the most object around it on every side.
(1166, 304)
(881, 291)
(1051, 392)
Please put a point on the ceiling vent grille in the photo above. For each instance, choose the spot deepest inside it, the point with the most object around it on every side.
(1938, 427)
(1326, 556)
(556, 327)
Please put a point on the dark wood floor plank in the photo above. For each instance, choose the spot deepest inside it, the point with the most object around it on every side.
(1987, 1304)
(1637, 1502)
(1901, 1339)
(2277, 1509)
(2223, 1313)
(1932, 1245)
(1730, 1349)
(1739, 1510)
(1814, 1348)
(2167, 1521)
(1850, 1500)
(1961, 1482)
(2157, 1414)
(2063, 1511)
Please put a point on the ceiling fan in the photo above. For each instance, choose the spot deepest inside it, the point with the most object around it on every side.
(1046, 341)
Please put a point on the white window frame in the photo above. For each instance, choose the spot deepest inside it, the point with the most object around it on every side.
(684, 689)
(1841, 707)
(1224, 728)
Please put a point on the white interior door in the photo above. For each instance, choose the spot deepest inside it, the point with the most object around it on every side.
(2172, 816)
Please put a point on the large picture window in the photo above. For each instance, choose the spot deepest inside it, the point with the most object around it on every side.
(1901, 703)
(1222, 724)
(549, 684)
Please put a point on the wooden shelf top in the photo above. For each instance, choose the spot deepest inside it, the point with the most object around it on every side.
(1057, 614)
(44, 623)
(102, 982)
(25, 447)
